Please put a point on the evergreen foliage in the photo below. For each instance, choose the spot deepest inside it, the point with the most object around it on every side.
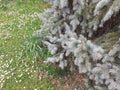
(67, 27)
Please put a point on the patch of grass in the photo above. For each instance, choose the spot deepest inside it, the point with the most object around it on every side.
(19, 70)
(108, 40)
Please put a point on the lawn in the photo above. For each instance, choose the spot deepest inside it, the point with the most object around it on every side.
(19, 69)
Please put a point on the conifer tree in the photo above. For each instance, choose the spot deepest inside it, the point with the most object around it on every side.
(69, 31)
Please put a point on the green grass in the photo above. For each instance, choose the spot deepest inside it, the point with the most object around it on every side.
(19, 70)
